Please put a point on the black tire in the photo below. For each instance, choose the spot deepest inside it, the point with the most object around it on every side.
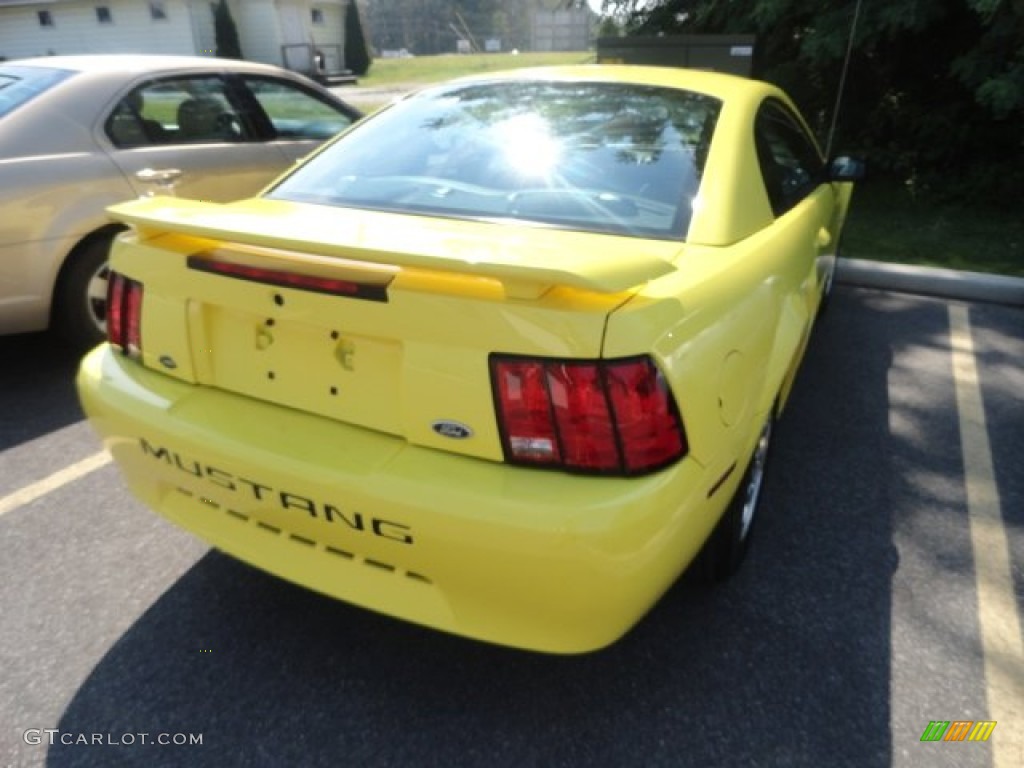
(728, 545)
(826, 291)
(80, 298)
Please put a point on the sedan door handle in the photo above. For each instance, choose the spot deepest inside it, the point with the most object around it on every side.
(163, 179)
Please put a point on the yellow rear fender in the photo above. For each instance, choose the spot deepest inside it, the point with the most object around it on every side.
(790, 343)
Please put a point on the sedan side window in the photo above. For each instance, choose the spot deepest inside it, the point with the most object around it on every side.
(176, 111)
(295, 113)
(790, 162)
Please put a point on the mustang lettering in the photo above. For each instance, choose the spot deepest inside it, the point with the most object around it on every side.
(330, 513)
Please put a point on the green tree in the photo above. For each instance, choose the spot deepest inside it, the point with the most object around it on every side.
(419, 26)
(994, 67)
(357, 51)
(225, 32)
(935, 92)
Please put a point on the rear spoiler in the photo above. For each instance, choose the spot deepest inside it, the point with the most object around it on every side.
(527, 260)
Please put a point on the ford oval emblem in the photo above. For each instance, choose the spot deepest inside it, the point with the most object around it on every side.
(452, 429)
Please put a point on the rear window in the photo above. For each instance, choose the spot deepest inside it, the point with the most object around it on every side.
(601, 157)
(19, 85)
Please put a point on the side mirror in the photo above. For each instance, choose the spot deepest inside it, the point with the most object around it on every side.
(845, 168)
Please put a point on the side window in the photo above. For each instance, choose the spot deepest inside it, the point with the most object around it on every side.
(789, 161)
(295, 113)
(176, 111)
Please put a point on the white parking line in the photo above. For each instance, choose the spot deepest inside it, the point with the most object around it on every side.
(998, 617)
(30, 493)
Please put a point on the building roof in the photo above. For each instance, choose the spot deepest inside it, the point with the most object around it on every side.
(5, 3)
(33, 2)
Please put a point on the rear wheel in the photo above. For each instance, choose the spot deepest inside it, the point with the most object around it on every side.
(80, 299)
(729, 543)
(826, 290)
(829, 281)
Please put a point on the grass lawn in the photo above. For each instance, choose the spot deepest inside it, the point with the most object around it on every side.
(434, 69)
(887, 223)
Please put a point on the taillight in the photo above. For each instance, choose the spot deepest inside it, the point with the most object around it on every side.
(124, 314)
(605, 416)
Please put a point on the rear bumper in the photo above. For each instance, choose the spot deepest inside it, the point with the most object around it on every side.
(526, 558)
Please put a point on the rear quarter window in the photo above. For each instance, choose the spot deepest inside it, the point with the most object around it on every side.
(790, 162)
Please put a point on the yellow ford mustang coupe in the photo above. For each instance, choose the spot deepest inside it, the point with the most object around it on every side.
(501, 360)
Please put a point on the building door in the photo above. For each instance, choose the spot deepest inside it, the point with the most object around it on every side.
(296, 39)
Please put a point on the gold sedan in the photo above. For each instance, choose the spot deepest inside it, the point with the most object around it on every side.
(79, 133)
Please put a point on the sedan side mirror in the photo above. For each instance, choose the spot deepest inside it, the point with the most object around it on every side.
(845, 168)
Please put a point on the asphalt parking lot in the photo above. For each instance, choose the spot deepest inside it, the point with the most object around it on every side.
(863, 614)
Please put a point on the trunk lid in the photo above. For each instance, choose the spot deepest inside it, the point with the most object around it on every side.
(381, 320)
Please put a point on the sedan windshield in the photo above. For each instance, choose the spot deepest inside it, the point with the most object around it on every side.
(600, 157)
(19, 85)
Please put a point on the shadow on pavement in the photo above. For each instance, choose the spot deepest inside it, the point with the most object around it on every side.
(37, 387)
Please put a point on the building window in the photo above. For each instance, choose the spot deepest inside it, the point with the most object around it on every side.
(157, 11)
(45, 18)
(318, 16)
(103, 15)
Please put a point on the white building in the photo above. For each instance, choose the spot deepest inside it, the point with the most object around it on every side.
(282, 32)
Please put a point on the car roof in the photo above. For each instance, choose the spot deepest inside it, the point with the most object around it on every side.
(716, 84)
(136, 62)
